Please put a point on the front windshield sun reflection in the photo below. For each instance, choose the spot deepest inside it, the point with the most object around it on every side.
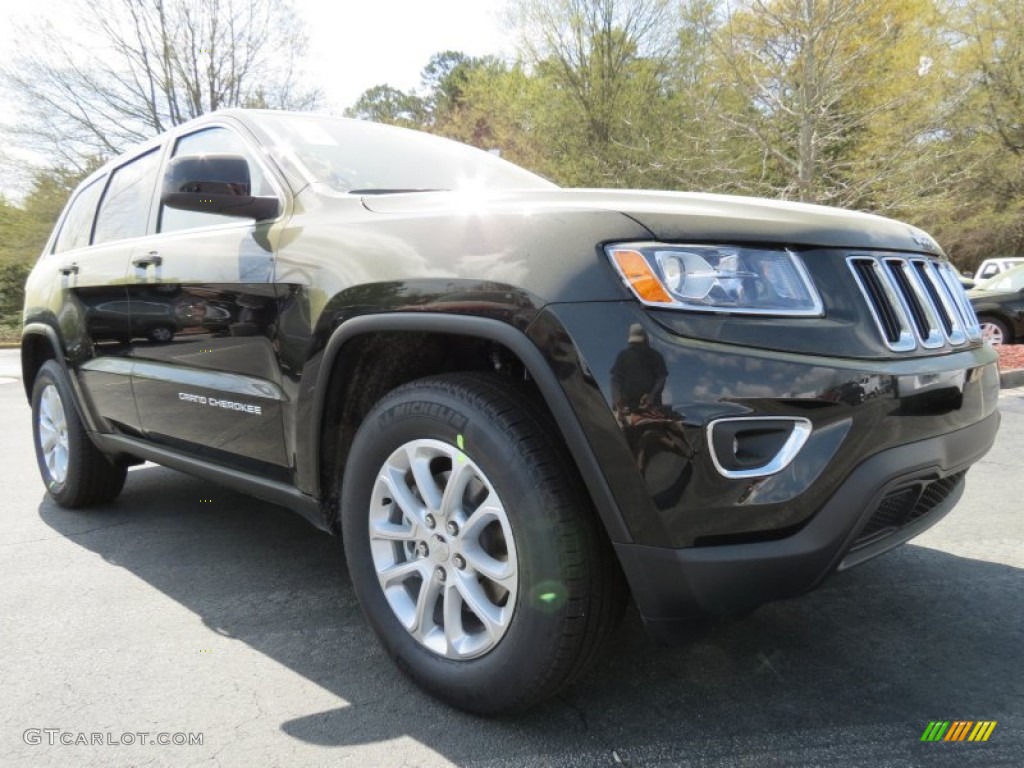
(359, 157)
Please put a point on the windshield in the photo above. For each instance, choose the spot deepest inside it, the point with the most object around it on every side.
(1009, 281)
(361, 157)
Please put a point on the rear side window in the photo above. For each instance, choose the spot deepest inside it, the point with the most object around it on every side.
(74, 233)
(212, 141)
(125, 207)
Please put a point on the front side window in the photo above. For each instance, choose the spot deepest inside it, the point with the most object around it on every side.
(74, 232)
(125, 207)
(212, 141)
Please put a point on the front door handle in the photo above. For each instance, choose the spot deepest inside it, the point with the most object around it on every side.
(69, 269)
(151, 259)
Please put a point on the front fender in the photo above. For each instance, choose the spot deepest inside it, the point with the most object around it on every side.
(532, 358)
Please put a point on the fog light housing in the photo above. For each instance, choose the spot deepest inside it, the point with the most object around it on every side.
(748, 447)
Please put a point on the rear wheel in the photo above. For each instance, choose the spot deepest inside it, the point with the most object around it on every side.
(74, 471)
(472, 546)
(994, 330)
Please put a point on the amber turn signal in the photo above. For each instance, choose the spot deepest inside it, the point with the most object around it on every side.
(638, 273)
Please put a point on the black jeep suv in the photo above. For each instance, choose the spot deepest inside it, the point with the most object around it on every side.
(518, 404)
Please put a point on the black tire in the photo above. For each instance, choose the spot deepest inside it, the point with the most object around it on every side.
(90, 477)
(161, 334)
(997, 328)
(570, 594)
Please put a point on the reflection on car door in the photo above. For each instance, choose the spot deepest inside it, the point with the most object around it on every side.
(204, 309)
(94, 307)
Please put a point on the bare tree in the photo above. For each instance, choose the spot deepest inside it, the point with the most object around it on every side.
(137, 67)
(838, 94)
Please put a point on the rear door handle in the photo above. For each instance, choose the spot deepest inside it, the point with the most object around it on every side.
(151, 259)
(69, 269)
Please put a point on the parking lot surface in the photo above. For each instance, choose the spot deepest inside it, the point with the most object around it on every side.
(187, 608)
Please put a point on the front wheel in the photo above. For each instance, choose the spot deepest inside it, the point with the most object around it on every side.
(160, 334)
(472, 546)
(74, 471)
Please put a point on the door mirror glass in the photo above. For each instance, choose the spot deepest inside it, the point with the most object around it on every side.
(214, 183)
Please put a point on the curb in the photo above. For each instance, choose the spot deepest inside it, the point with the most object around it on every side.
(1011, 379)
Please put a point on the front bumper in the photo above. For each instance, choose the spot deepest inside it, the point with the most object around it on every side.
(671, 586)
(890, 439)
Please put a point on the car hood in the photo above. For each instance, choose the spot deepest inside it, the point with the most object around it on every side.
(680, 216)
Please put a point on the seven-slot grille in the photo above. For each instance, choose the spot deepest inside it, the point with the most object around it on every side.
(915, 300)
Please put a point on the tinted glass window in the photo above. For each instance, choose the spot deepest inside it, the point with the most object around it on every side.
(74, 233)
(125, 207)
(213, 141)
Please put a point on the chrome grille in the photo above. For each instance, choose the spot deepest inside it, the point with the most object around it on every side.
(915, 301)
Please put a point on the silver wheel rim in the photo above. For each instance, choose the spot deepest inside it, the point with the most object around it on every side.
(443, 549)
(53, 434)
(992, 334)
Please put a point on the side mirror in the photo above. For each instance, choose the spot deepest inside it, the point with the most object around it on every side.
(214, 184)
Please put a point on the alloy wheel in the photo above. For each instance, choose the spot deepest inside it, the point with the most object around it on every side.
(443, 549)
(53, 433)
(992, 334)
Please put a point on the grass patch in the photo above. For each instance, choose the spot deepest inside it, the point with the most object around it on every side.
(10, 331)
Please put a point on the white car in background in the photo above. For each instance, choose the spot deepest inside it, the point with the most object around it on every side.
(992, 267)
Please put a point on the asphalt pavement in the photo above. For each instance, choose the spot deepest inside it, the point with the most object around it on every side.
(188, 609)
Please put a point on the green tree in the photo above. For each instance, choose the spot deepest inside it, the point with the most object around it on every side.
(12, 293)
(386, 104)
(445, 80)
(24, 230)
(602, 65)
(502, 107)
(701, 150)
(984, 135)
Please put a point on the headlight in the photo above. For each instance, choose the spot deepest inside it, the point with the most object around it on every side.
(716, 278)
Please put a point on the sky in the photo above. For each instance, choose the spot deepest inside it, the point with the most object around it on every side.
(353, 45)
(356, 45)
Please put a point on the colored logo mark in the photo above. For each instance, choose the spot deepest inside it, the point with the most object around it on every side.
(958, 730)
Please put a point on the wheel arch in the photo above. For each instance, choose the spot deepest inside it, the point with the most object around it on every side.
(337, 371)
(39, 343)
